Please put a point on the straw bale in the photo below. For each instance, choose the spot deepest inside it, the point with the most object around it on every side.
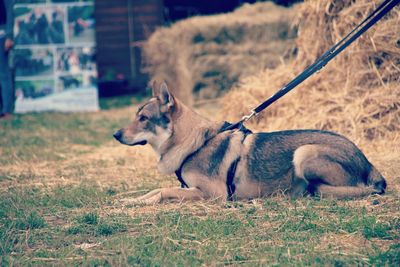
(204, 56)
(356, 94)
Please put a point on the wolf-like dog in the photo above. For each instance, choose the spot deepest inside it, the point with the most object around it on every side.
(213, 163)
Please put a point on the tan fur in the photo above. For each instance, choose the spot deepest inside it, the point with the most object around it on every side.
(188, 135)
(246, 187)
(212, 189)
(302, 154)
(176, 194)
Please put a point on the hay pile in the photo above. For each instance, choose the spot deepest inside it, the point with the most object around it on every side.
(357, 94)
(203, 56)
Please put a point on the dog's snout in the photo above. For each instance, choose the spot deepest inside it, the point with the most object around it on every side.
(117, 135)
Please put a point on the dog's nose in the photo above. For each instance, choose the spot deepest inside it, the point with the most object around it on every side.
(117, 135)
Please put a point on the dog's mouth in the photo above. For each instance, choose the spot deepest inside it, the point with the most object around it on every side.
(140, 143)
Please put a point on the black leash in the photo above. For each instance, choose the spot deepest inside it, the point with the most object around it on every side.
(367, 23)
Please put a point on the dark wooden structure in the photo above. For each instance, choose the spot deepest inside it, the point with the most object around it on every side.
(121, 27)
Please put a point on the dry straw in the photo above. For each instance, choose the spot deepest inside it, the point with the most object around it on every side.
(203, 56)
(357, 94)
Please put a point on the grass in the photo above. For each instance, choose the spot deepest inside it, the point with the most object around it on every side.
(61, 176)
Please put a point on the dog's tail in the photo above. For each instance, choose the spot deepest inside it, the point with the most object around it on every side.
(376, 179)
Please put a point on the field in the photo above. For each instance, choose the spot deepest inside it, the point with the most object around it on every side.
(61, 176)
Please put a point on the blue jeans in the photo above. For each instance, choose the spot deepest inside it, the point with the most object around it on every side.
(6, 83)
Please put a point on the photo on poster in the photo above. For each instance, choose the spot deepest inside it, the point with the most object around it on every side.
(90, 80)
(33, 89)
(33, 62)
(81, 24)
(69, 1)
(49, 1)
(68, 82)
(71, 82)
(39, 25)
(76, 59)
(30, 1)
(54, 56)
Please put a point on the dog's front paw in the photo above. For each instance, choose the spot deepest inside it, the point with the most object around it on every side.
(154, 199)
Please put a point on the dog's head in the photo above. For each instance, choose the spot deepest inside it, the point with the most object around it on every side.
(152, 123)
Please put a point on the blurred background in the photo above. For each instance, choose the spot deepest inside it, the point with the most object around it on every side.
(200, 48)
(70, 52)
(124, 26)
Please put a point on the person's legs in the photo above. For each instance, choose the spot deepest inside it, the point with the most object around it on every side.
(7, 94)
(6, 84)
(2, 72)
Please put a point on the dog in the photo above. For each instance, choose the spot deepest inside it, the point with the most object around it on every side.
(213, 163)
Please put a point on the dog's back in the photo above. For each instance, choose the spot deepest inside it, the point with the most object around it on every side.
(319, 158)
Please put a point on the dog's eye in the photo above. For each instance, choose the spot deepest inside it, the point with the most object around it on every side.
(143, 118)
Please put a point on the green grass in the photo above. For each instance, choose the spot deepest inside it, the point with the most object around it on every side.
(121, 101)
(49, 136)
(38, 225)
(83, 223)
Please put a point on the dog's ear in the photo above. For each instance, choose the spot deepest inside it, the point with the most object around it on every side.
(165, 96)
(155, 88)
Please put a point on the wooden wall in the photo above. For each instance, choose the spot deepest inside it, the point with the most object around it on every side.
(121, 25)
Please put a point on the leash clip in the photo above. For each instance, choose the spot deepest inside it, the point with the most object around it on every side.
(248, 117)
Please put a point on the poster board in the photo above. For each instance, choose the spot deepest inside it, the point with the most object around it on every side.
(54, 56)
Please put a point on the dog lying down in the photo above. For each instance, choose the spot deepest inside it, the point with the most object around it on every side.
(236, 164)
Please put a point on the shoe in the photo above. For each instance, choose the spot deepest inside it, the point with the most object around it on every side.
(5, 116)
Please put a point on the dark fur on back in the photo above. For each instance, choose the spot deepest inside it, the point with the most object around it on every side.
(272, 153)
(218, 155)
